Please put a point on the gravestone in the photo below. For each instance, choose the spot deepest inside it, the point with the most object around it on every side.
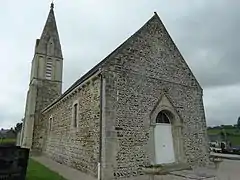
(13, 162)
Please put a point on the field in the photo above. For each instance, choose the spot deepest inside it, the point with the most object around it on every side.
(233, 134)
(230, 131)
(37, 171)
(7, 141)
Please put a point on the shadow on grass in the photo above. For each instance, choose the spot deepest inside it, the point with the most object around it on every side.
(37, 171)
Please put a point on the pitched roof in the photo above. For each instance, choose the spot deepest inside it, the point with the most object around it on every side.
(101, 64)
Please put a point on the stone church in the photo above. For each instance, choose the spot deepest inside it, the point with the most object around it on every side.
(139, 106)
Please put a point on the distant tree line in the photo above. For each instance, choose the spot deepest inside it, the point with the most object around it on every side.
(237, 125)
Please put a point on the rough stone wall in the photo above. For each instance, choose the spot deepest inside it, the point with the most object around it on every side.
(75, 147)
(47, 92)
(147, 66)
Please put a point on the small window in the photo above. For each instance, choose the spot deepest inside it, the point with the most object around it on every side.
(75, 111)
(50, 123)
(162, 118)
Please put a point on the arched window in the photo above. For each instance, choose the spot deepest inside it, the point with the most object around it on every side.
(50, 123)
(162, 118)
(75, 111)
(75, 114)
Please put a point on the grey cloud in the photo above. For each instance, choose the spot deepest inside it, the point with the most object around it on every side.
(209, 41)
(222, 104)
(8, 121)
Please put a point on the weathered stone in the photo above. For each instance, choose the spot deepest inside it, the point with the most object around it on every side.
(151, 65)
(76, 147)
(117, 103)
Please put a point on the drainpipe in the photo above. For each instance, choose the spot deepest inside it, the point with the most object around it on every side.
(100, 128)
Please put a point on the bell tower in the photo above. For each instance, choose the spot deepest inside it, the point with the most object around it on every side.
(45, 80)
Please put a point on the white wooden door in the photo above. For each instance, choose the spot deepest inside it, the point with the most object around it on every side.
(164, 151)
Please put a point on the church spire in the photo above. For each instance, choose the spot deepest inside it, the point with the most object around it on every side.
(50, 36)
(45, 80)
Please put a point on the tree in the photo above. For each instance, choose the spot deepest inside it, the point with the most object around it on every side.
(222, 134)
(18, 127)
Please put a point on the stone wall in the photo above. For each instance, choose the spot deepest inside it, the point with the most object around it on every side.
(147, 66)
(75, 147)
(47, 92)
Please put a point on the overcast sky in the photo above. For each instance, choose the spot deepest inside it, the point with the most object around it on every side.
(205, 31)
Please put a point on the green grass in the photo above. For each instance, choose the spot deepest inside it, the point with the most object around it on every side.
(234, 134)
(37, 171)
(6, 141)
(235, 140)
(234, 131)
(213, 131)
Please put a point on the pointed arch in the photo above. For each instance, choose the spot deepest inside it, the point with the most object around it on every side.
(165, 104)
(165, 114)
(163, 118)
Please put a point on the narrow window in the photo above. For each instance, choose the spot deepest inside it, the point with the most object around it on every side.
(49, 69)
(50, 123)
(75, 109)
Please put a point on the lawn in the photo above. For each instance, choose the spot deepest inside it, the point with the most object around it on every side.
(233, 134)
(37, 171)
(230, 131)
(7, 141)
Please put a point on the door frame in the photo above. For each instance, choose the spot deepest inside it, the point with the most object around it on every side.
(164, 104)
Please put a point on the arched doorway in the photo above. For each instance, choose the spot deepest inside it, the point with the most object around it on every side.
(163, 137)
